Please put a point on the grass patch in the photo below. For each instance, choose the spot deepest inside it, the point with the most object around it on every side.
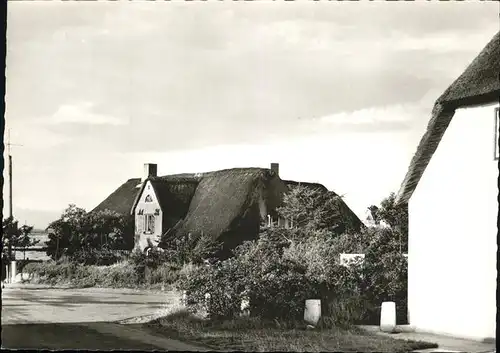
(255, 335)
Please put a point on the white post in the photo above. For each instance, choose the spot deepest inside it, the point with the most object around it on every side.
(7, 274)
(13, 271)
(388, 317)
(312, 312)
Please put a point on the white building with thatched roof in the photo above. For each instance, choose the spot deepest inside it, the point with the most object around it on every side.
(451, 189)
(225, 205)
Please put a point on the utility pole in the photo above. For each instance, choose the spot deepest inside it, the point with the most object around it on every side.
(9, 144)
(11, 213)
(10, 184)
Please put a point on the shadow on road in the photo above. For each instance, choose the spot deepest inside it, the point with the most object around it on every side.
(64, 336)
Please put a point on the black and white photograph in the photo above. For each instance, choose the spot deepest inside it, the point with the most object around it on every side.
(258, 176)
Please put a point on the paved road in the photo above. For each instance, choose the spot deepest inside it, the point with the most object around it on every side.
(34, 304)
(43, 318)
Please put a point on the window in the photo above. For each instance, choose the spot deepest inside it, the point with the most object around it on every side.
(497, 133)
(148, 198)
(149, 222)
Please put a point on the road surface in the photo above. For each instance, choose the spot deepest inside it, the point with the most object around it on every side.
(43, 318)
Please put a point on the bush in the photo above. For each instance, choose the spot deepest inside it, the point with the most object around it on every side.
(276, 285)
(120, 275)
(166, 273)
(146, 265)
(279, 271)
(21, 265)
(137, 270)
(99, 257)
(221, 281)
(281, 291)
(51, 272)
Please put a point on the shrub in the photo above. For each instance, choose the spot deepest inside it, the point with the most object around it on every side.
(166, 273)
(279, 271)
(21, 265)
(276, 282)
(51, 272)
(386, 280)
(221, 281)
(281, 290)
(99, 257)
(122, 274)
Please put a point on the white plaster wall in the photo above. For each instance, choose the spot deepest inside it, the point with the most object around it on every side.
(149, 208)
(453, 232)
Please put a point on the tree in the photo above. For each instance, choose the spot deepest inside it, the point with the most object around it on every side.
(395, 215)
(10, 237)
(14, 237)
(64, 237)
(77, 231)
(25, 240)
(314, 209)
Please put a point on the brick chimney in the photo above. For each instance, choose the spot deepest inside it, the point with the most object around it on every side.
(275, 167)
(149, 171)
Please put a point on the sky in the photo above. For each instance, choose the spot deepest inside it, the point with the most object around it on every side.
(338, 93)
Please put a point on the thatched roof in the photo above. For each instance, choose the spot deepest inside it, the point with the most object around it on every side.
(223, 198)
(349, 215)
(478, 84)
(291, 183)
(226, 205)
(121, 199)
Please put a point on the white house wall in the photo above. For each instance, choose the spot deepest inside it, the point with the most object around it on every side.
(147, 208)
(453, 232)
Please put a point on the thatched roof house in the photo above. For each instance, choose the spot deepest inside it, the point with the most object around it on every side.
(225, 205)
(451, 190)
(478, 84)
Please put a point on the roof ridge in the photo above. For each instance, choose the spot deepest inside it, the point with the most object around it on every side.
(198, 174)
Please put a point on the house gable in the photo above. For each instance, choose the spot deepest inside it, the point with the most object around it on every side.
(147, 200)
(478, 85)
(148, 217)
